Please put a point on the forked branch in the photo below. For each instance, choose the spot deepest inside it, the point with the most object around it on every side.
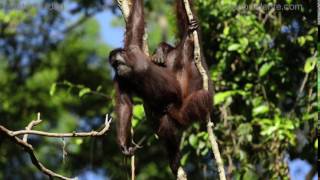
(23, 142)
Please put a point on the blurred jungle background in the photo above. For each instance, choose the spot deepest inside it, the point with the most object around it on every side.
(262, 61)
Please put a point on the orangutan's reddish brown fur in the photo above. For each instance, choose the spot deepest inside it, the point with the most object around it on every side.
(168, 83)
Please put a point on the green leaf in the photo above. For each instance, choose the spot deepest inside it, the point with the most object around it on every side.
(135, 122)
(309, 38)
(244, 129)
(84, 92)
(67, 83)
(99, 88)
(201, 145)
(226, 30)
(288, 124)
(250, 175)
(301, 41)
(233, 47)
(244, 42)
(193, 140)
(184, 158)
(202, 135)
(138, 111)
(263, 109)
(222, 96)
(310, 64)
(79, 141)
(204, 151)
(53, 89)
(42, 79)
(268, 131)
(263, 122)
(265, 69)
(2, 15)
(138, 115)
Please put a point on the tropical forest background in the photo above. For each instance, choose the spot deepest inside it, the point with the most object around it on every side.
(262, 57)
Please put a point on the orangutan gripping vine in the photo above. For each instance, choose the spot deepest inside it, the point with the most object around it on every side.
(169, 85)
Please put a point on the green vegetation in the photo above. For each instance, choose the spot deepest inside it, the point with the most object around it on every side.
(262, 62)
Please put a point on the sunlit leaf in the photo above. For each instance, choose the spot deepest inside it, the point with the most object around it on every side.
(184, 158)
(204, 151)
(138, 115)
(135, 122)
(193, 140)
(202, 144)
(265, 68)
(79, 141)
(301, 41)
(53, 89)
(260, 110)
(234, 47)
(138, 111)
(99, 88)
(268, 131)
(84, 92)
(310, 64)
(244, 42)
(226, 30)
(250, 175)
(222, 96)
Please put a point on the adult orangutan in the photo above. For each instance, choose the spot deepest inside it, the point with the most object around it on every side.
(168, 83)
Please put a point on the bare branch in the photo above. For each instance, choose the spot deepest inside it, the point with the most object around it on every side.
(181, 175)
(29, 149)
(60, 135)
(215, 149)
(13, 136)
(133, 167)
(30, 125)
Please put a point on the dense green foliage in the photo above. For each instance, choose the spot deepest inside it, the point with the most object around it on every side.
(261, 59)
(262, 62)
